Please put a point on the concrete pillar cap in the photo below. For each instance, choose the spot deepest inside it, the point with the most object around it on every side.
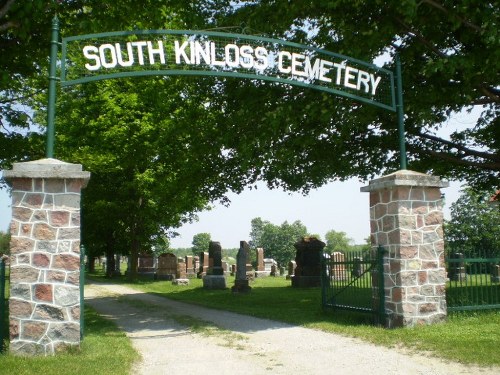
(405, 178)
(46, 168)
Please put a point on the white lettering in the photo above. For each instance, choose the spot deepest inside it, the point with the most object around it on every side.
(246, 60)
(180, 52)
(348, 77)
(90, 52)
(201, 52)
(363, 78)
(262, 61)
(112, 55)
(156, 51)
(311, 71)
(324, 70)
(140, 54)
(339, 67)
(214, 55)
(374, 83)
(119, 55)
(297, 63)
(234, 50)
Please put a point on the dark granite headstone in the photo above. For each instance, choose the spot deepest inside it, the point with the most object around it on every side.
(308, 259)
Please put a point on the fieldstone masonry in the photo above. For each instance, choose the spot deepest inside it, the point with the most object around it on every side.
(406, 219)
(45, 256)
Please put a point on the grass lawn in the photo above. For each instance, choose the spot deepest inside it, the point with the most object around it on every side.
(471, 337)
(104, 350)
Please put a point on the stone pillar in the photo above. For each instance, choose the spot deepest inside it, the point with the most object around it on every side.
(406, 220)
(45, 256)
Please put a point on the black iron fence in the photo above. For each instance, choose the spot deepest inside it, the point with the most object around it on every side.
(474, 280)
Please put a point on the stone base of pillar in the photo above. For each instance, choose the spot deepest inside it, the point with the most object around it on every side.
(45, 256)
(406, 220)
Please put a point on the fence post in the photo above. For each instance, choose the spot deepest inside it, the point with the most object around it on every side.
(2, 302)
(82, 286)
(381, 287)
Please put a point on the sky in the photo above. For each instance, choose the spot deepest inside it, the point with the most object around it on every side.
(338, 206)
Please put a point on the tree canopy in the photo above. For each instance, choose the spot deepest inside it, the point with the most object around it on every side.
(200, 243)
(277, 240)
(160, 149)
(474, 225)
(449, 51)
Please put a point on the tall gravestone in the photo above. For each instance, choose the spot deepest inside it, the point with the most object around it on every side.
(406, 220)
(260, 270)
(241, 281)
(215, 278)
(45, 256)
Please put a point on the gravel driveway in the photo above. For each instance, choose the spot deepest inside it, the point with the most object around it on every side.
(229, 343)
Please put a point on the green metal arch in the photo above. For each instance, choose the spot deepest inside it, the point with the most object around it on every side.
(72, 44)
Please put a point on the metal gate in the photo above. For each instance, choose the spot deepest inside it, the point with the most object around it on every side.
(351, 280)
(474, 280)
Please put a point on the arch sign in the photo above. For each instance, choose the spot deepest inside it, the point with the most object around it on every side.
(94, 57)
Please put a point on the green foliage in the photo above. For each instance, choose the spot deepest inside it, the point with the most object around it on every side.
(277, 240)
(200, 243)
(474, 224)
(337, 241)
(449, 52)
(4, 243)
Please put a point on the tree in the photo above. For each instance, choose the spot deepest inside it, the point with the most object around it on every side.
(256, 231)
(4, 243)
(473, 228)
(337, 241)
(278, 240)
(449, 52)
(150, 172)
(200, 243)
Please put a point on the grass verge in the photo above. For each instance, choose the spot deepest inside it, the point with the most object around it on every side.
(104, 350)
(471, 338)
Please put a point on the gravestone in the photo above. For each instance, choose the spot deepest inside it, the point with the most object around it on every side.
(291, 269)
(215, 278)
(180, 275)
(241, 283)
(203, 268)
(167, 266)
(357, 269)
(456, 268)
(248, 266)
(196, 264)
(190, 268)
(260, 270)
(233, 269)
(308, 258)
(338, 271)
(146, 265)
